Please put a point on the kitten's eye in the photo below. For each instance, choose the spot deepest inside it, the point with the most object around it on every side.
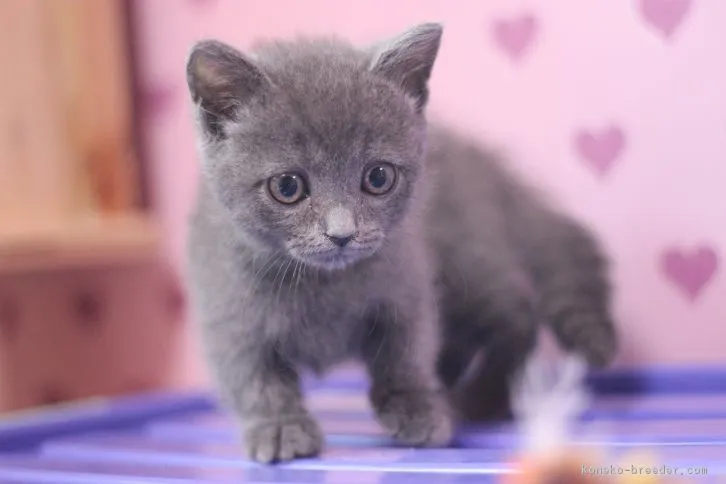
(379, 179)
(287, 188)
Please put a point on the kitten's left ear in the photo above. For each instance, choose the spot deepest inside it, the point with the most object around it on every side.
(409, 59)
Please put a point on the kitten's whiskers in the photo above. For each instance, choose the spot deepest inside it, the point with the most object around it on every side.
(259, 275)
(282, 280)
(382, 338)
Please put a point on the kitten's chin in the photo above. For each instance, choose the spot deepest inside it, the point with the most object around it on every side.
(334, 259)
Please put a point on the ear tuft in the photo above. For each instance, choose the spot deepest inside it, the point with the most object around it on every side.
(220, 81)
(408, 60)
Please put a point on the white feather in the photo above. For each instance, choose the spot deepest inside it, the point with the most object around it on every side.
(547, 399)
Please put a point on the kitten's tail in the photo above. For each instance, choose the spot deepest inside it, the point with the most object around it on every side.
(570, 273)
(576, 294)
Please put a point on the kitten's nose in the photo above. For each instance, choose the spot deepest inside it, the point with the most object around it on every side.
(339, 226)
(340, 241)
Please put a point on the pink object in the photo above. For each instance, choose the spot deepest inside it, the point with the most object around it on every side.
(89, 311)
(175, 302)
(665, 15)
(690, 271)
(600, 149)
(514, 36)
(157, 100)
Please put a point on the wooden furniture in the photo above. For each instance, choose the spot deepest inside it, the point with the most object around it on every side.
(69, 176)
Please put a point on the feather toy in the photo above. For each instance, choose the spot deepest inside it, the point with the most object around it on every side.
(547, 400)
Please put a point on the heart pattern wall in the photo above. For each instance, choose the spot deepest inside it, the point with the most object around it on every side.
(689, 270)
(617, 109)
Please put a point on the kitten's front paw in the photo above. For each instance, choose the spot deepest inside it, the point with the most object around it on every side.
(283, 439)
(415, 417)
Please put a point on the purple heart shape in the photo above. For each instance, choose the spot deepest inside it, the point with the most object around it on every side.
(665, 15)
(600, 149)
(513, 36)
(157, 100)
(175, 301)
(691, 270)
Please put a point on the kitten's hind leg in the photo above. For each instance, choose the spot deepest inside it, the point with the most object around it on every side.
(455, 359)
(483, 392)
(489, 330)
(486, 298)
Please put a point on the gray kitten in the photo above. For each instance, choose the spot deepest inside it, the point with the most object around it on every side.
(332, 222)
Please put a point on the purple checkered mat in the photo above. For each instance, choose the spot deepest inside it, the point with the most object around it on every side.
(678, 414)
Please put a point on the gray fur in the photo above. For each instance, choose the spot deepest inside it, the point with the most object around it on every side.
(440, 261)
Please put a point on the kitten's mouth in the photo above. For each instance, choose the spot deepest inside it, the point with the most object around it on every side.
(335, 259)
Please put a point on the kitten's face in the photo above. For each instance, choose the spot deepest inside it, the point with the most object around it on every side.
(326, 162)
(324, 179)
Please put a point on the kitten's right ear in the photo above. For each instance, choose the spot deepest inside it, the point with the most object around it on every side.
(221, 80)
(408, 60)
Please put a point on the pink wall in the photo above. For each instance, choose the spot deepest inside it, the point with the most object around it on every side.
(617, 107)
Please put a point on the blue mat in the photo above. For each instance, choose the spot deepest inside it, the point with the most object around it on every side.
(679, 413)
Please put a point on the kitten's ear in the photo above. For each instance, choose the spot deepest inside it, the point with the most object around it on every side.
(409, 59)
(221, 80)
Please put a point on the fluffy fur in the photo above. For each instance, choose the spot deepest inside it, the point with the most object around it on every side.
(414, 282)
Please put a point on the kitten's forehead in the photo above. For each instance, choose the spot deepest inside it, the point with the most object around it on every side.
(327, 98)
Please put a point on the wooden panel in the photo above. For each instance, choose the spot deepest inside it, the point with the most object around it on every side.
(67, 159)
(86, 242)
(31, 186)
(88, 47)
